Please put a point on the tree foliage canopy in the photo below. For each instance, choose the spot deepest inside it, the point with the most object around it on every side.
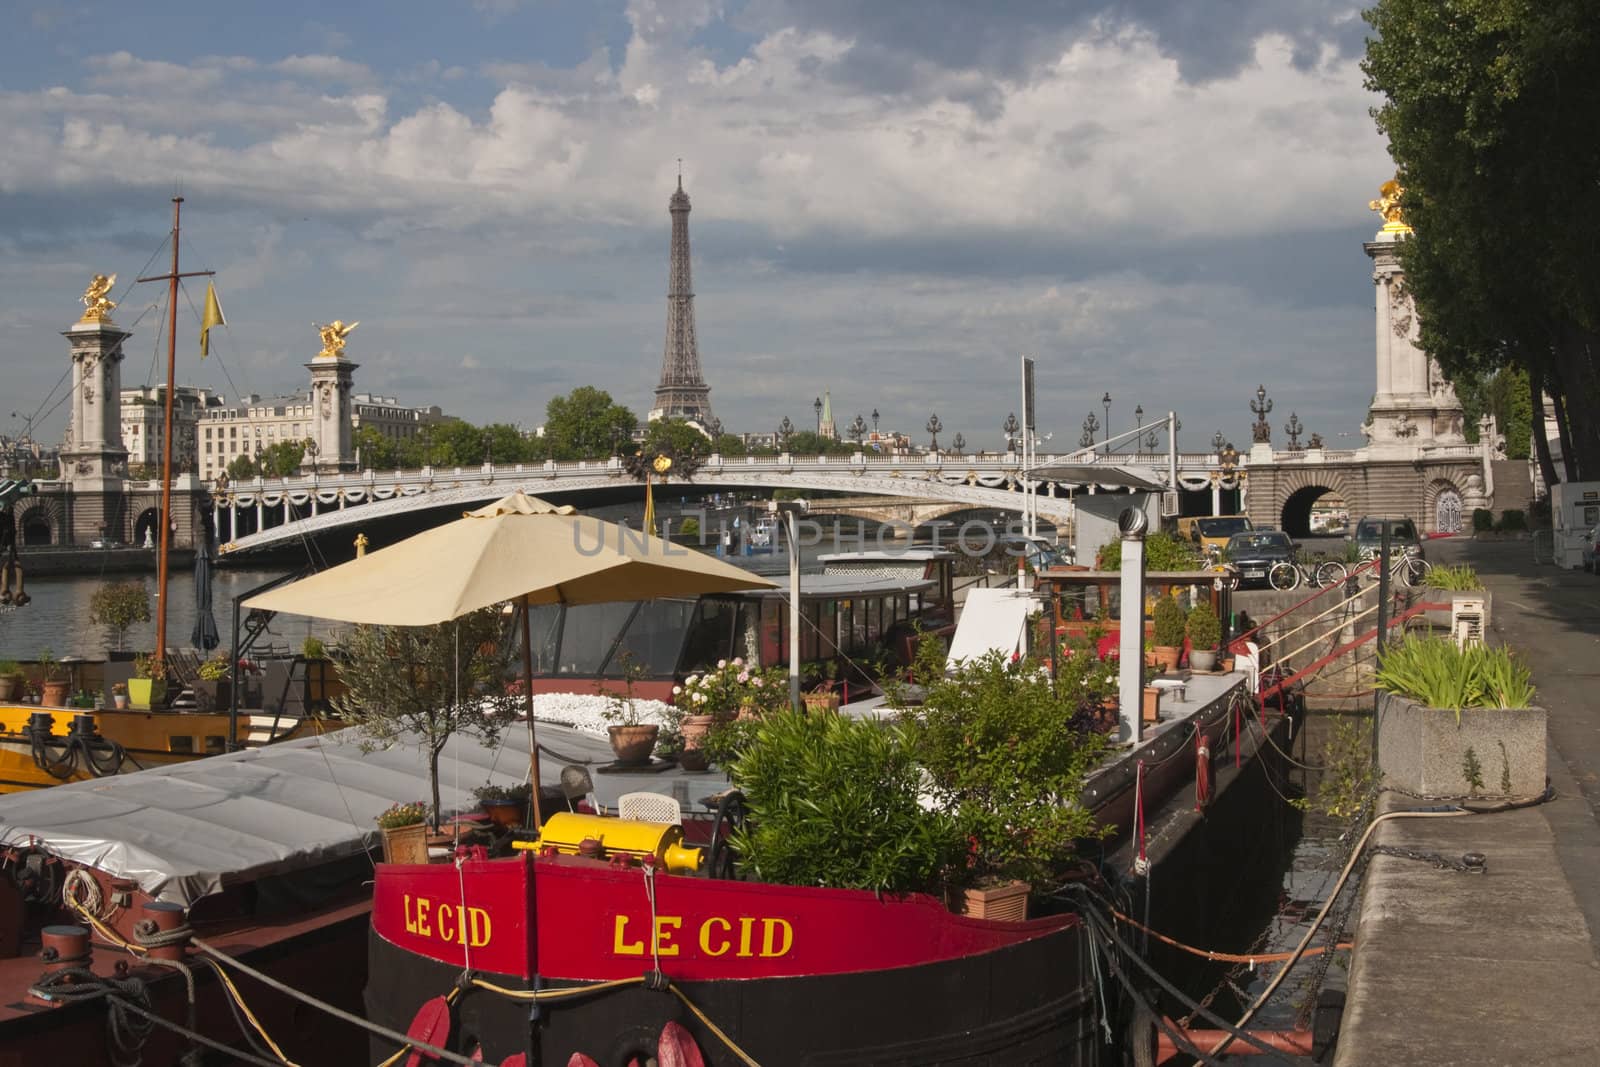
(1490, 110)
(587, 424)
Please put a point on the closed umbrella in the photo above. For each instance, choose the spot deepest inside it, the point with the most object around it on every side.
(519, 548)
(205, 636)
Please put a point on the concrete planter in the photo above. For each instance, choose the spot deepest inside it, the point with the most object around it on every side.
(1424, 750)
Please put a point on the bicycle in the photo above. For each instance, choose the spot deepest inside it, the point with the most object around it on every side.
(1318, 574)
(1408, 567)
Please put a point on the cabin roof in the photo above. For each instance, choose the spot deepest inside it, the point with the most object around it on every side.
(843, 586)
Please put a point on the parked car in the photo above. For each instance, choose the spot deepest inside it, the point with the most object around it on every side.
(1403, 536)
(1211, 532)
(1254, 554)
(1591, 548)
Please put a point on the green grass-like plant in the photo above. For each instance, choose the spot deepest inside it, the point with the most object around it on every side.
(1437, 673)
(1162, 552)
(1456, 578)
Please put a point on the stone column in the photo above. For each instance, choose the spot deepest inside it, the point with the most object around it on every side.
(331, 429)
(1413, 406)
(93, 459)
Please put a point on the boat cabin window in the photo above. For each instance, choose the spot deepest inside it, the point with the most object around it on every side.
(180, 743)
(590, 641)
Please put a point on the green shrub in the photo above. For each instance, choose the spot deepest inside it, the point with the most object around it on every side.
(1008, 755)
(833, 802)
(313, 648)
(118, 605)
(689, 527)
(1482, 520)
(1205, 629)
(1437, 673)
(1456, 578)
(1513, 519)
(1162, 552)
(1169, 622)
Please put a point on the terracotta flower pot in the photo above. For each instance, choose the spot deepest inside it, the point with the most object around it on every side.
(693, 759)
(694, 729)
(9, 686)
(55, 694)
(1150, 713)
(1006, 903)
(632, 744)
(821, 703)
(405, 844)
(1167, 656)
(1226, 663)
(120, 701)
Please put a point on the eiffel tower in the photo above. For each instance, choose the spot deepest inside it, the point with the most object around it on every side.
(683, 392)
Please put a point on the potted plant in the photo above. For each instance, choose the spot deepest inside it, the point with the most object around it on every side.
(1169, 625)
(806, 780)
(632, 741)
(212, 689)
(148, 687)
(1205, 634)
(10, 679)
(405, 832)
(503, 804)
(823, 697)
(119, 695)
(118, 606)
(313, 649)
(1457, 721)
(424, 683)
(1007, 754)
(52, 680)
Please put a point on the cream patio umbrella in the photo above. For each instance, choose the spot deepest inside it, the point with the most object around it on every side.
(519, 548)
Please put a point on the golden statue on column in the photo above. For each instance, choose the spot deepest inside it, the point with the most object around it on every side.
(333, 335)
(97, 306)
(1388, 205)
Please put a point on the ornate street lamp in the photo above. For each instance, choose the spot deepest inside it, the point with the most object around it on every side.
(1106, 402)
(1262, 431)
(1138, 416)
(1217, 442)
(1090, 425)
(958, 443)
(785, 428)
(1294, 430)
(935, 427)
(1010, 427)
(874, 420)
(858, 428)
(1150, 441)
(816, 406)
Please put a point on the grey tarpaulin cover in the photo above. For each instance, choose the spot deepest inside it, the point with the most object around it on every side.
(188, 830)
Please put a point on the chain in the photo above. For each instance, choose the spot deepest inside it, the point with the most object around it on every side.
(1470, 862)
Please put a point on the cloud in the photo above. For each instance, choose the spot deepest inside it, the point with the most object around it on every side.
(325, 68)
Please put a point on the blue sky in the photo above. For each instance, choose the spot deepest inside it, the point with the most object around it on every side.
(892, 201)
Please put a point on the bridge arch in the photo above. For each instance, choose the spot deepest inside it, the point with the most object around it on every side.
(39, 525)
(149, 521)
(1299, 491)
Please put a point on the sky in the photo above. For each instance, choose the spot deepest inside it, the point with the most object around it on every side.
(892, 201)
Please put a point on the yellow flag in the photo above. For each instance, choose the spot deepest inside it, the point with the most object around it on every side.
(212, 316)
(649, 508)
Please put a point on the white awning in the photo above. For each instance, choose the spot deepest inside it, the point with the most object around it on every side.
(992, 620)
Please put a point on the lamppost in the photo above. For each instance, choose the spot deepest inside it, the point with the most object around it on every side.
(1217, 442)
(488, 450)
(785, 428)
(1090, 425)
(1150, 442)
(1294, 429)
(935, 427)
(874, 420)
(1106, 402)
(1010, 427)
(858, 429)
(958, 443)
(1260, 406)
(816, 406)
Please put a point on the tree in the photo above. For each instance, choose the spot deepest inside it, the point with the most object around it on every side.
(1490, 112)
(241, 469)
(375, 451)
(675, 437)
(728, 444)
(587, 424)
(280, 460)
(810, 443)
(118, 605)
(426, 683)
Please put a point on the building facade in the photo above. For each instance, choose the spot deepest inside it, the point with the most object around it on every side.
(144, 426)
(230, 431)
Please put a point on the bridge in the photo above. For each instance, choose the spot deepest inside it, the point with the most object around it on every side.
(264, 513)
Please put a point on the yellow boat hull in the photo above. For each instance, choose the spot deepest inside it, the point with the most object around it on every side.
(149, 738)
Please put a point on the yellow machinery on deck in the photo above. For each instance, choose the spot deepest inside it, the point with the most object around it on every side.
(566, 833)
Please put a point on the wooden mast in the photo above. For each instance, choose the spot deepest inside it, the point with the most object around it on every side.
(166, 443)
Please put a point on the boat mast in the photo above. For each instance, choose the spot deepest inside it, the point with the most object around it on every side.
(166, 443)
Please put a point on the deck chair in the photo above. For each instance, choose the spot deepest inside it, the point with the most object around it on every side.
(650, 807)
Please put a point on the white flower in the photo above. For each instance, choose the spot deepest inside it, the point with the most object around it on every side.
(744, 676)
(722, 664)
(699, 698)
(756, 681)
(692, 680)
(677, 689)
(737, 662)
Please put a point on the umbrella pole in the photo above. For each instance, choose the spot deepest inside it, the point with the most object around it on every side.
(527, 692)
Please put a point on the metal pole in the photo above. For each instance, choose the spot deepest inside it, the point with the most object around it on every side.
(1383, 629)
(1172, 456)
(1130, 675)
(527, 683)
(166, 444)
(794, 610)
